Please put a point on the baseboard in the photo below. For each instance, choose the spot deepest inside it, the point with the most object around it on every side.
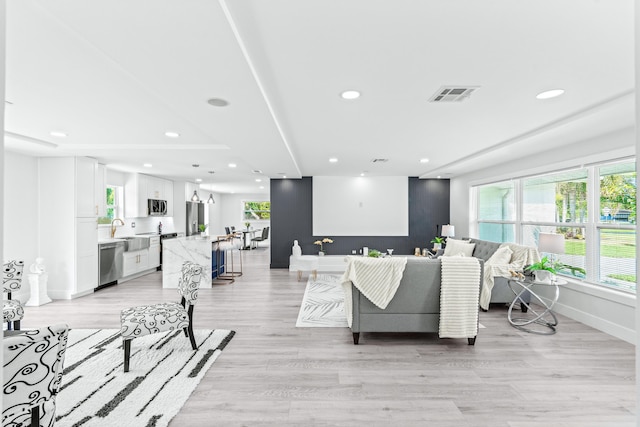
(599, 323)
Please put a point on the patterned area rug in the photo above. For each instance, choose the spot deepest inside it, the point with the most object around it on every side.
(163, 372)
(323, 303)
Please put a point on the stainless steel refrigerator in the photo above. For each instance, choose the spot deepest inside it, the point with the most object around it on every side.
(197, 213)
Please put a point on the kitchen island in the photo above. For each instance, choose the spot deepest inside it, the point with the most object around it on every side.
(176, 251)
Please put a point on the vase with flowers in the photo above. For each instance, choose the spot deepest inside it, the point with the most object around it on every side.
(321, 244)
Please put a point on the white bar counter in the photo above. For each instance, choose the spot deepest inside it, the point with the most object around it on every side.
(176, 251)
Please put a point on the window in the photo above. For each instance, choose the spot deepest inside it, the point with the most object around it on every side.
(496, 212)
(256, 211)
(593, 207)
(113, 204)
(616, 225)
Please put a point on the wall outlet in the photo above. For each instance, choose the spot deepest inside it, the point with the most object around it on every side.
(133, 225)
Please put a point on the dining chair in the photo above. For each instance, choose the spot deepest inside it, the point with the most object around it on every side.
(263, 237)
(12, 309)
(144, 320)
(32, 373)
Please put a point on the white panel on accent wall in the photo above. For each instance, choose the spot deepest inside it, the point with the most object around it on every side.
(360, 206)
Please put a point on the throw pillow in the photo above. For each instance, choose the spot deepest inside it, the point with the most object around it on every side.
(455, 247)
(501, 257)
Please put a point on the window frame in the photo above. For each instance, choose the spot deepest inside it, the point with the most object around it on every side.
(243, 210)
(592, 226)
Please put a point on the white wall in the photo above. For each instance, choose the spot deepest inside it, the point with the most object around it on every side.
(20, 219)
(603, 309)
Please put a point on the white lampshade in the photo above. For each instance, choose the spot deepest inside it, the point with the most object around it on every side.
(448, 230)
(551, 243)
(195, 197)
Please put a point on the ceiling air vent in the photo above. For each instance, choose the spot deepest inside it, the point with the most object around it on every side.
(453, 93)
(379, 160)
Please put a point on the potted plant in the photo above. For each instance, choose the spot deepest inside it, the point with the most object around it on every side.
(247, 224)
(544, 271)
(374, 253)
(202, 228)
(437, 242)
(321, 243)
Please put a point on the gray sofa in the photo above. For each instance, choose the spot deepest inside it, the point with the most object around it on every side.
(414, 308)
(501, 293)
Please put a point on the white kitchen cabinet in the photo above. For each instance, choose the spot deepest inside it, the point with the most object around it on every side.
(154, 252)
(135, 262)
(101, 189)
(138, 189)
(135, 196)
(168, 196)
(68, 226)
(85, 170)
(155, 188)
(86, 255)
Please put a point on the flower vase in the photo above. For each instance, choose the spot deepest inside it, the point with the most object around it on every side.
(437, 246)
(321, 253)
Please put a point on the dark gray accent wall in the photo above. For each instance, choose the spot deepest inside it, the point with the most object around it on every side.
(292, 211)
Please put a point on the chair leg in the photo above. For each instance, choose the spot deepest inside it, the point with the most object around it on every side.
(191, 337)
(35, 416)
(127, 353)
(16, 325)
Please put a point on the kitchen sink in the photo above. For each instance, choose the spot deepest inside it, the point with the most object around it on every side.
(135, 243)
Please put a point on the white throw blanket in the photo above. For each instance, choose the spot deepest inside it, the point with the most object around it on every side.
(376, 278)
(459, 290)
(522, 256)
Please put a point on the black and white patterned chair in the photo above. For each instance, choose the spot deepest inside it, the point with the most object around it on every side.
(12, 310)
(32, 373)
(152, 319)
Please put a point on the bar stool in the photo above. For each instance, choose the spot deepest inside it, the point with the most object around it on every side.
(224, 249)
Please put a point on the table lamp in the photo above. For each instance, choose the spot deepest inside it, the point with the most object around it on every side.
(552, 244)
(448, 231)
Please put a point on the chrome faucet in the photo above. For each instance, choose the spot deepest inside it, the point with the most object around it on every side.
(113, 227)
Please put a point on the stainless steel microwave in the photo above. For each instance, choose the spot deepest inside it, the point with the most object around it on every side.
(157, 207)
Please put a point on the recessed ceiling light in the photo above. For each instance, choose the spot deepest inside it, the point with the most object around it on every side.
(148, 165)
(218, 102)
(438, 177)
(284, 176)
(350, 94)
(550, 94)
(198, 180)
(425, 160)
(232, 165)
(258, 180)
(172, 134)
(333, 160)
(262, 187)
(58, 134)
(362, 174)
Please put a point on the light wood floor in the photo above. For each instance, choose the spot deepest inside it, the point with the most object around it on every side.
(274, 374)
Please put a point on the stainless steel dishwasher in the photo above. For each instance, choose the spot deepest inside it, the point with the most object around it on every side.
(110, 259)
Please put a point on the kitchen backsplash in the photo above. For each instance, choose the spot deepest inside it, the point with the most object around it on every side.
(143, 225)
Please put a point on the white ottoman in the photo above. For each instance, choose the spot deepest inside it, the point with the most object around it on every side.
(304, 263)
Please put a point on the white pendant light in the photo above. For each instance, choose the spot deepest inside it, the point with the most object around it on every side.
(210, 200)
(195, 197)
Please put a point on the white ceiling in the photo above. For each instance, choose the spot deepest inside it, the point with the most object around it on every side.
(115, 75)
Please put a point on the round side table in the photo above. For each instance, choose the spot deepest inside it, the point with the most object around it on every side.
(545, 318)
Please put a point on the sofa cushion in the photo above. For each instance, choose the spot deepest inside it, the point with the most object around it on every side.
(501, 257)
(484, 249)
(455, 247)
